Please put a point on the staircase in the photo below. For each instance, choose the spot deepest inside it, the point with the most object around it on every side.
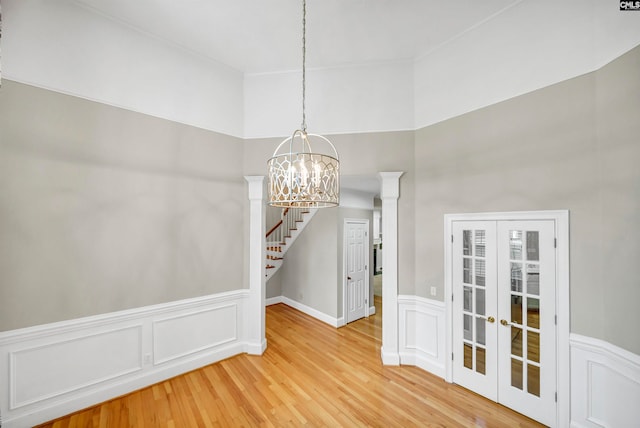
(283, 234)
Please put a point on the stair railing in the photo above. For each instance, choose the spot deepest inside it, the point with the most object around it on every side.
(289, 219)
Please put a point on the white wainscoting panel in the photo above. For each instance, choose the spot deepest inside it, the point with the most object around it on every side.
(178, 336)
(605, 384)
(422, 333)
(51, 370)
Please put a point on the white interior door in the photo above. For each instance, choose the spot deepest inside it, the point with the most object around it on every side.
(475, 305)
(527, 311)
(504, 335)
(357, 275)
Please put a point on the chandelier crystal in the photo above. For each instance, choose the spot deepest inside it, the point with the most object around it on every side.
(298, 176)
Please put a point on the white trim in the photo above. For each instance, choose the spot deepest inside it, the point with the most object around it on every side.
(563, 310)
(96, 321)
(321, 316)
(389, 194)
(422, 333)
(255, 324)
(51, 370)
(203, 317)
(605, 384)
(273, 300)
(345, 262)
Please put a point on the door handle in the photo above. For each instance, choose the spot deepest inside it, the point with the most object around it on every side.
(504, 322)
(491, 320)
(349, 278)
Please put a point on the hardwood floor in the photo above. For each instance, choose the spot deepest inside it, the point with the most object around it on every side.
(311, 374)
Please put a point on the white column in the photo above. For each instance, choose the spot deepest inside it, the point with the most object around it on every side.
(254, 315)
(389, 193)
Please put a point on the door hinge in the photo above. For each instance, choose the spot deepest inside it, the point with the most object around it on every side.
(555, 319)
(452, 356)
(555, 242)
(452, 297)
(451, 238)
(556, 396)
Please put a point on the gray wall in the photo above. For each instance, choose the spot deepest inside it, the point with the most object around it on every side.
(104, 209)
(273, 288)
(575, 146)
(313, 271)
(364, 154)
(310, 268)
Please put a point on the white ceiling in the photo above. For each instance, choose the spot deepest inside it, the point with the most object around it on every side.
(257, 36)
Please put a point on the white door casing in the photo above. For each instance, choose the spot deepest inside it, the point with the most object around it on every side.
(356, 258)
(550, 337)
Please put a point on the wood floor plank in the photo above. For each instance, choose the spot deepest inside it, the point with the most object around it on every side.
(310, 375)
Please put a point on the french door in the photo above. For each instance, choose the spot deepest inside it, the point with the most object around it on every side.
(504, 311)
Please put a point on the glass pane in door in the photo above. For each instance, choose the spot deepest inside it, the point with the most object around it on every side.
(532, 246)
(474, 299)
(467, 304)
(533, 312)
(533, 380)
(468, 356)
(466, 271)
(466, 242)
(516, 373)
(533, 279)
(516, 277)
(480, 301)
(481, 360)
(525, 310)
(480, 243)
(480, 272)
(515, 244)
(516, 309)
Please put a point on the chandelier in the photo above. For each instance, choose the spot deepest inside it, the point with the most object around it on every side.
(298, 176)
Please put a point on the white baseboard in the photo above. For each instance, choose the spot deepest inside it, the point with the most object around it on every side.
(389, 358)
(255, 348)
(273, 301)
(605, 384)
(334, 322)
(422, 333)
(51, 370)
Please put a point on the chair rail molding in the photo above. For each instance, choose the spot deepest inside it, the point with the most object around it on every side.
(51, 370)
(605, 384)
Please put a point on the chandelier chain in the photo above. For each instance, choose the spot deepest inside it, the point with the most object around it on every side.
(304, 179)
(304, 58)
